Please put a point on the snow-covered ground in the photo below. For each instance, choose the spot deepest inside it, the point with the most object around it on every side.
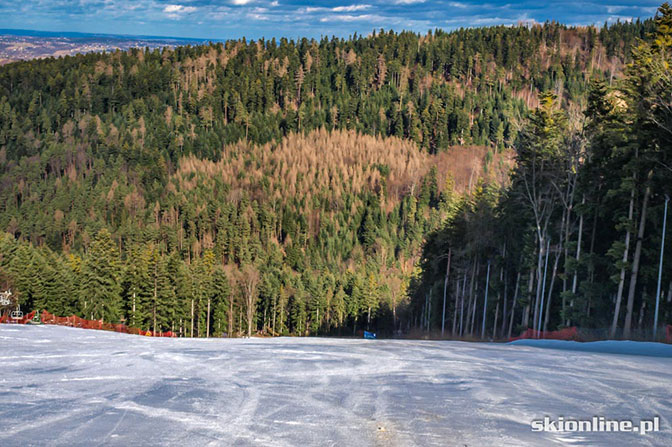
(645, 348)
(64, 386)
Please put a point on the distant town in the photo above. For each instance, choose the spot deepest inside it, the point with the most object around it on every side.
(16, 45)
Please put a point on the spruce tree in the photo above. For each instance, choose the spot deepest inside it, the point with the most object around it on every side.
(100, 289)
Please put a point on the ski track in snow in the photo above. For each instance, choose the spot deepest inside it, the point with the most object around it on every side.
(71, 387)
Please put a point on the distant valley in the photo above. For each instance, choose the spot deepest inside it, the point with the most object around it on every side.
(18, 45)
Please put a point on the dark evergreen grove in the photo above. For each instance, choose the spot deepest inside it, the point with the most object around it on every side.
(317, 187)
(575, 239)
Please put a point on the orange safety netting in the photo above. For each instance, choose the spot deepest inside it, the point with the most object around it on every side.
(75, 321)
(22, 320)
(570, 333)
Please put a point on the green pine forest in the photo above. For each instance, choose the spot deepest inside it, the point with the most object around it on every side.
(471, 183)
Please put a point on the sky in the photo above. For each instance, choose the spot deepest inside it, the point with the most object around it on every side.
(225, 19)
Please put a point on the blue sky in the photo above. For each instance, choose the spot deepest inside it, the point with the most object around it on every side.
(223, 19)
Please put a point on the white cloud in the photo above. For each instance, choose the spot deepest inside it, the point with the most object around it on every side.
(275, 3)
(615, 9)
(351, 18)
(179, 9)
(176, 12)
(241, 2)
(350, 8)
(407, 2)
(612, 19)
(254, 16)
(470, 21)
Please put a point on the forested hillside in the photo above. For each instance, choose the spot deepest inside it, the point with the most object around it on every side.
(288, 187)
(309, 235)
(576, 238)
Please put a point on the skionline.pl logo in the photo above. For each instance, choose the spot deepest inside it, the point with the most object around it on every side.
(595, 424)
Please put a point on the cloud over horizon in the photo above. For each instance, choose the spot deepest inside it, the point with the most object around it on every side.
(223, 19)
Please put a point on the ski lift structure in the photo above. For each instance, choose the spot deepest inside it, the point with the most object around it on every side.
(6, 301)
(16, 314)
(5, 298)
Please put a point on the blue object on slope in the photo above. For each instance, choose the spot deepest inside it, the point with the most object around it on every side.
(369, 335)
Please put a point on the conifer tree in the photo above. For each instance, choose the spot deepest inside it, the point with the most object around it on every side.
(100, 290)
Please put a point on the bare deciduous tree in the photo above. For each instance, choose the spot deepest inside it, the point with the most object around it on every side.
(249, 280)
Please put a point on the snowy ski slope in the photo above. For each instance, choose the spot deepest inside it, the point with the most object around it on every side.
(63, 386)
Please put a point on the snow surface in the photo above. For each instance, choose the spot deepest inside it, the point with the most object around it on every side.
(627, 347)
(65, 386)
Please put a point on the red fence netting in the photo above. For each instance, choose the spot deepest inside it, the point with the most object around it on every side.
(569, 333)
(576, 334)
(75, 321)
(22, 320)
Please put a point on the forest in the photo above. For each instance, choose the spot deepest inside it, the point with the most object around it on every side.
(475, 182)
(577, 236)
